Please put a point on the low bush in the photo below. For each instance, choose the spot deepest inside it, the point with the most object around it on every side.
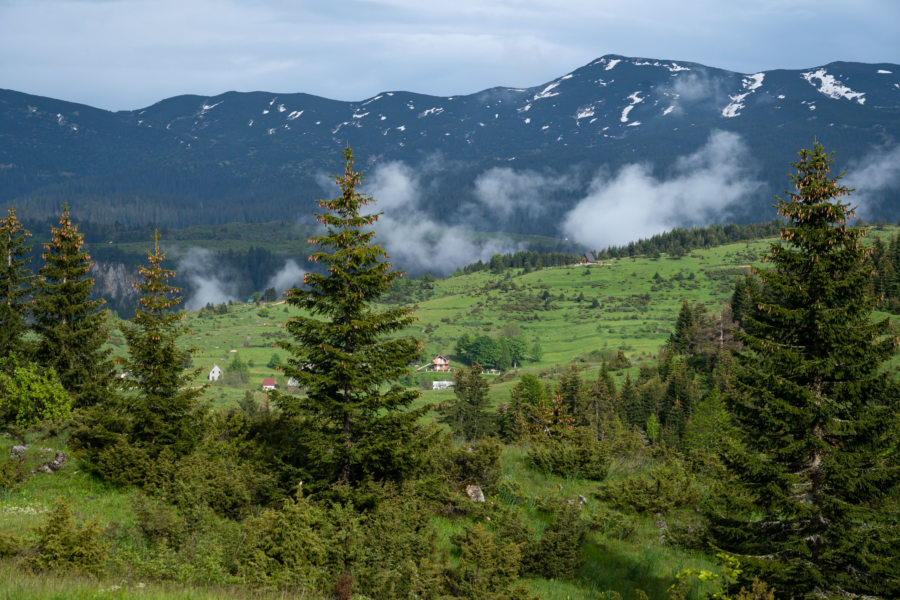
(578, 454)
(665, 487)
(64, 546)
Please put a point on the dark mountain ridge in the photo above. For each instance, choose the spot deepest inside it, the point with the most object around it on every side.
(260, 156)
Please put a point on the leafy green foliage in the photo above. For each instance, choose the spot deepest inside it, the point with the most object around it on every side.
(30, 395)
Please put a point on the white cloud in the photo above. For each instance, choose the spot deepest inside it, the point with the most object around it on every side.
(208, 282)
(873, 176)
(702, 187)
(290, 275)
(413, 240)
(505, 192)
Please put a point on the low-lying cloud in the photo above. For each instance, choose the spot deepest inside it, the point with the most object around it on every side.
(873, 177)
(634, 203)
(415, 241)
(504, 192)
(289, 276)
(209, 282)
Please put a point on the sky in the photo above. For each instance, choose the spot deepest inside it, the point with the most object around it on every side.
(129, 54)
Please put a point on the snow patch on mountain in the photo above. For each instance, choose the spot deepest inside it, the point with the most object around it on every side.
(431, 111)
(672, 67)
(828, 85)
(294, 114)
(612, 64)
(884, 72)
(635, 100)
(750, 83)
(547, 92)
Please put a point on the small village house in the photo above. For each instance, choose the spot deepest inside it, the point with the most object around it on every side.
(440, 363)
(268, 384)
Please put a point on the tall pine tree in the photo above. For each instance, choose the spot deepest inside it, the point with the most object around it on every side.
(816, 457)
(69, 324)
(354, 421)
(165, 410)
(15, 279)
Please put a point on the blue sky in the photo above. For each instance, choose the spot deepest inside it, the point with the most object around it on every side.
(127, 54)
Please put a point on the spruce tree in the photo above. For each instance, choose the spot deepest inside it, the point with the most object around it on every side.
(69, 324)
(15, 280)
(165, 410)
(815, 461)
(354, 422)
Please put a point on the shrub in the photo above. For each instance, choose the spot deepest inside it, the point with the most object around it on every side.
(578, 454)
(290, 547)
(667, 486)
(485, 570)
(557, 554)
(64, 546)
(30, 394)
(10, 544)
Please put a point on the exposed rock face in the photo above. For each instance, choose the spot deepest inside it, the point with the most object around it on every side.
(54, 465)
(112, 281)
(474, 493)
(17, 451)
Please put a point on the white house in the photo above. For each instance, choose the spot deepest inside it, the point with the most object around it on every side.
(441, 385)
(215, 373)
(268, 384)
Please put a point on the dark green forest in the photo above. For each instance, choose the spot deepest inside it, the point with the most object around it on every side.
(762, 439)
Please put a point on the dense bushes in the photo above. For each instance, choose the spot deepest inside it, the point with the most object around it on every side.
(577, 454)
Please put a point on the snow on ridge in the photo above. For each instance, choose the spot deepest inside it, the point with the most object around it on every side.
(668, 110)
(370, 100)
(546, 93)
(612, 64)
(672, 67)
(635, 100)
(294, 114)
(564, 77)
(205, 107)
(584, 113)
(357, 115)
(431, 111)
(525, 108)
(884, 72)
(750, 83)
(281, 108)
(831, 87)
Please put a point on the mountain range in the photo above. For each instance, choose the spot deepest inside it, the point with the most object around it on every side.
(503, 159)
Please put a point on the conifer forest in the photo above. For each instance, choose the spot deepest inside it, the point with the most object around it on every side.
(707, 413)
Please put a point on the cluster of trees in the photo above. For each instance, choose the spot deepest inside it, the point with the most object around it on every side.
(502, 352)
(65, 361)
(886, 278)
(681, 240)
(523, 259)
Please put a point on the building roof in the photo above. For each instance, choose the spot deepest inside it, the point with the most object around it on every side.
(269, 381)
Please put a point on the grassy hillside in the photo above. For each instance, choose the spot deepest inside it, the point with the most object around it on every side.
(580, 313)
